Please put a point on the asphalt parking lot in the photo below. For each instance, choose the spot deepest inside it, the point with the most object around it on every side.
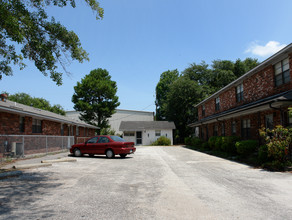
(154, 183)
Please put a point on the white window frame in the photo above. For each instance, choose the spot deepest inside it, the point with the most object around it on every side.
(282, 72)
(157, 133)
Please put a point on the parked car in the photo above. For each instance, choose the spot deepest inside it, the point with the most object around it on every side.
(104, 145)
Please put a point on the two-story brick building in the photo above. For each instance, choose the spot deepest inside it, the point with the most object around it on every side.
(259, 98)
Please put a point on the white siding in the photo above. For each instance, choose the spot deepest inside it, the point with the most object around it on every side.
(148, 136)
(121, 115)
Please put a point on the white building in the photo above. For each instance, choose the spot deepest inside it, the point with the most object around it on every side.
(120, 115)
(146, 132)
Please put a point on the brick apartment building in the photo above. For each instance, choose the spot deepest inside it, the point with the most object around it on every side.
(259, 98)
(21, 123)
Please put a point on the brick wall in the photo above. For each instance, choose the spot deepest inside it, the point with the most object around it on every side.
(258, 86)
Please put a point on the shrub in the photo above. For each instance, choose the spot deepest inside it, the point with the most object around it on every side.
(162, 141)
(228, 144)
(245, 148)
(212, 141)
(263, 154)
(218, 143)
(279, 141)
(193, 141)
(188, 141)
(205, 145)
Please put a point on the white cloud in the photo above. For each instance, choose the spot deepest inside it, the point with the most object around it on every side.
(263, 51)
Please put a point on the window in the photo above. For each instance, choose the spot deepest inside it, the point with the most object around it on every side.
(129, 133)
(77, 131)
(245, 128)
(215, 130)
(103, 140)
(203, 110)
(282, 73)
(36, 126)
(84, 132)
(217, 104)
(92, 140)
(223, 129)
(21, 124)
(239, 93)
(157, 133)
(269, 121)
(233, 128)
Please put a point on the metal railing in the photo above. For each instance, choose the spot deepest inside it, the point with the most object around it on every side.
(21, 145)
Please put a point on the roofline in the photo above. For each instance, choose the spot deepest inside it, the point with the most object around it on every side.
(121, 110)
(261, 65)
(7, 109)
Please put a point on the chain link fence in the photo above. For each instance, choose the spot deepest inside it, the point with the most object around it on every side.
(81, 139)
(21, 145)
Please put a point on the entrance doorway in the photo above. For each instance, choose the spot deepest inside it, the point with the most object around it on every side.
(138, 137)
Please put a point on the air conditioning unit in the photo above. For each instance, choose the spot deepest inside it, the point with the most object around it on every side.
(17, 149)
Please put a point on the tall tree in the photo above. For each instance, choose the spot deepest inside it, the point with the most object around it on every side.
(40, 103)
(95, 98)
(44, 41)
(162, 89)
(182, 96)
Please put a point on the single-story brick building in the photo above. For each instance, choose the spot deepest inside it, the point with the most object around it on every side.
(31, 128)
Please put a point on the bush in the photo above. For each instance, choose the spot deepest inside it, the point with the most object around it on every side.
(218, 143)
(206, 146)
(245, 148)
(162, 141)
(274, 166)
(228, 144)
(263, 154)
(212, 141)
(278, 141)
(193, 141)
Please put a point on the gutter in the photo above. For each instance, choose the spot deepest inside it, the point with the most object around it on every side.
(21, 112)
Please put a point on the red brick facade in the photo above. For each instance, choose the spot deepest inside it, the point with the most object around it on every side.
(257, 85)
(11, 126)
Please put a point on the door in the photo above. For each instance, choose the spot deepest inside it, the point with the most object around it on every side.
(139, 137)
(102, 145)
(90, 146)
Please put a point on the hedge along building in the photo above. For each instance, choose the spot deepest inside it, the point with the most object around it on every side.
(259, 98)
(32, 130)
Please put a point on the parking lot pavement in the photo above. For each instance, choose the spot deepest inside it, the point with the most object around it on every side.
(36, 159)
(154, 183)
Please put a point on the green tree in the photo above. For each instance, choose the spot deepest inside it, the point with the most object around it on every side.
(40, 103)
(95, 98)
(43, 40)
(162, 89)
(182, 96)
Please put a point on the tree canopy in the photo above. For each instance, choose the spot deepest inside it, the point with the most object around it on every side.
(176, 94)
(43, 40)
(162, 89)
(95, 98)
(40, 103)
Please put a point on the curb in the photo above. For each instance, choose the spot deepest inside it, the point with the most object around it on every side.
(10, 174)
(59, 160)
(28, 166)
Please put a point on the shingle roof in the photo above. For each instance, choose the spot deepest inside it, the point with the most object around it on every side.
(17, 108)
(143, 125)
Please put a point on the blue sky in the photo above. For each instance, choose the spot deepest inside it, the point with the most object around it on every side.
(138, 40)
